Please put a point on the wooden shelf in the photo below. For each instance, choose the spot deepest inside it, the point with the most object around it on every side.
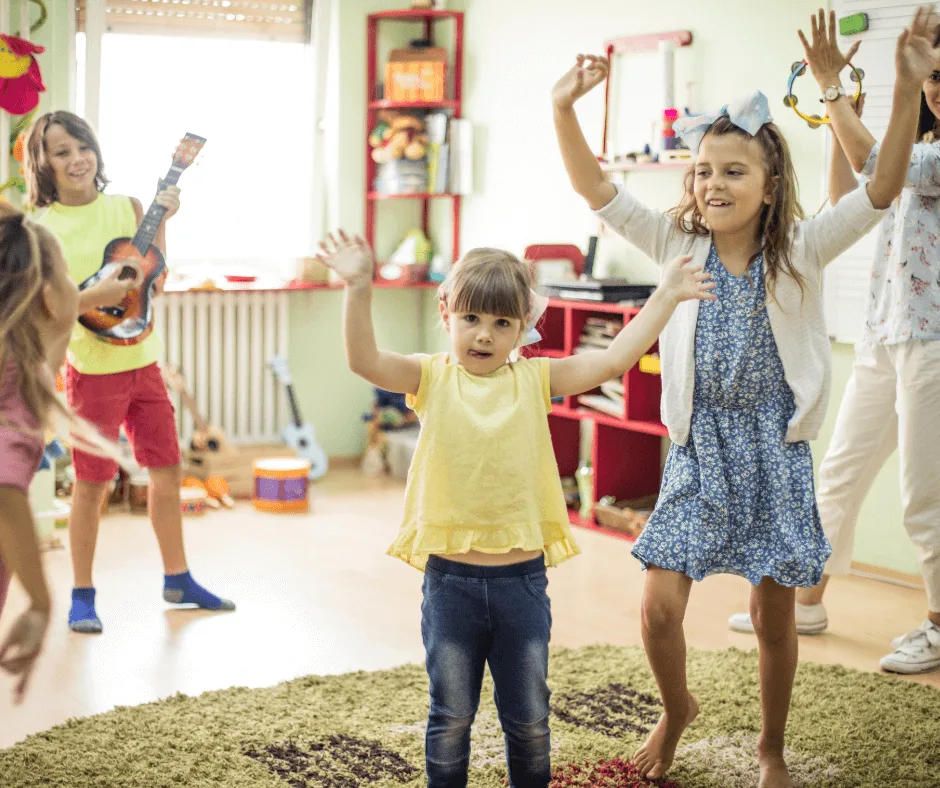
(631, 166)
(589, 414)
(386, 104)
(576, 519)
(415, 14)
(395, 34)
(373, 196)
(596, 306)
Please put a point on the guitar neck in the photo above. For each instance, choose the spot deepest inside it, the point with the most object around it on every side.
(155, 213)
(294, 410)
(193, 409)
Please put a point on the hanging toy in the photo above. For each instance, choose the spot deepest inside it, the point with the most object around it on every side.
(20, 80)
(798, 69)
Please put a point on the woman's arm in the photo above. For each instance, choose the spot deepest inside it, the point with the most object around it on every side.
(827, 62)
(584, 172)
(585, 371)
(352, 259)
(841, 175)
(916, 58)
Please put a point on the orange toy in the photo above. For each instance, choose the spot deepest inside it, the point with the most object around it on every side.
(192, 483)
(281, 484)
(218, 490)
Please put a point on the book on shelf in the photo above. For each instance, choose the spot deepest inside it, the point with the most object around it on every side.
(461, 156)
(603, 404)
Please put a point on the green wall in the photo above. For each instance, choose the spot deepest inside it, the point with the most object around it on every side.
(522, 195)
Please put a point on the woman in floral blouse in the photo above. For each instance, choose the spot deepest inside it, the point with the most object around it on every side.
(892, 400)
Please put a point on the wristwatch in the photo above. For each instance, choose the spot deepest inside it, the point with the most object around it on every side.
(833, 92)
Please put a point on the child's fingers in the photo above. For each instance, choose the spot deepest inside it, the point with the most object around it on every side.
(19, 691)
(852, 50)
(343, 237)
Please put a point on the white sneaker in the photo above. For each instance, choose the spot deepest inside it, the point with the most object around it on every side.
(918, 651)
(900, 638)
(810, 620)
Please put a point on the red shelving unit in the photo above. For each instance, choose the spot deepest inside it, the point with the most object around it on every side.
(626, 450)
(428, 18)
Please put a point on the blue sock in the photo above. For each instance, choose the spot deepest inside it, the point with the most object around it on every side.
(82, 615)
(183, 590)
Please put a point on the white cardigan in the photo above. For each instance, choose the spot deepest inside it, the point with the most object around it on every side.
(797, 323)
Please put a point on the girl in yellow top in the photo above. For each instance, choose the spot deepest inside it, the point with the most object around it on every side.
(109, 385)
(484, 509)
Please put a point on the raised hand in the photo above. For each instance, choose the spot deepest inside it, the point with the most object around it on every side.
(917, 55)
(351, 258)
(683, 281)
(584, 76)
(825, 59)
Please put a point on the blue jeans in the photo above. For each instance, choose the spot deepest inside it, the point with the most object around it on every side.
(496, 615)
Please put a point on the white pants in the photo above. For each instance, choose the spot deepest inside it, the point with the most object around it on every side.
(892, 401)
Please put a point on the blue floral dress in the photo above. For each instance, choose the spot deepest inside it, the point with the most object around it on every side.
(737, 498)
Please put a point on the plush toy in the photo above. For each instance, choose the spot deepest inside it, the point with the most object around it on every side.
(390, 412)
(398, 135)
(20, 80)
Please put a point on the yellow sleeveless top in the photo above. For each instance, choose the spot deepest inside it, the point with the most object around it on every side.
(84, 231)
(483, 476)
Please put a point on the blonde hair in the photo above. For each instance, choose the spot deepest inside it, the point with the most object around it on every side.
(777, 219)
(27, 263)
(489, 281)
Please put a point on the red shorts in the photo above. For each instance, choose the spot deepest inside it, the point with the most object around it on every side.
(137, 399)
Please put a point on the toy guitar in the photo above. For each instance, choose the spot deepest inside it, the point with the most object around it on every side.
(131, 321)
(298, 434)
(205, 437)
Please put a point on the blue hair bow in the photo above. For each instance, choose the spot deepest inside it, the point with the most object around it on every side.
(748, 113)
(532, 335)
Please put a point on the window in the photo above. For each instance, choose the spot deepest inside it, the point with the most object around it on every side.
(247, 199)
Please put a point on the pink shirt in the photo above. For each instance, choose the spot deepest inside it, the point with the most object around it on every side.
(20, 452)
(20, 449)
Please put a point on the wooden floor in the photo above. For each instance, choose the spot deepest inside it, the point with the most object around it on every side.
(317, 594)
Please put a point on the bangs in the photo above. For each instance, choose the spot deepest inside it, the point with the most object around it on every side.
(490, 286)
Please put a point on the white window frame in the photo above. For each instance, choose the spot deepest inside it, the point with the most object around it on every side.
(318, 61)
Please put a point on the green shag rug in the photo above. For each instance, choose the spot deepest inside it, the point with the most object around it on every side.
(367, 729)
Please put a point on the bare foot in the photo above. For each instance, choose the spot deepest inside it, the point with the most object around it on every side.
(773, 772)
(655, 756)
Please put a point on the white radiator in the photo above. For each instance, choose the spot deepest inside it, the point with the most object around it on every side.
(222, 342)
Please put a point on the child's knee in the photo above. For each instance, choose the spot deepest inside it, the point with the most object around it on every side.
(526, 732)
(166, 480)
(770, 626)
(661, 615)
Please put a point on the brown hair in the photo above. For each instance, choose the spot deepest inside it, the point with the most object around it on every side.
(926, 122)
(490, 281)
(777, 219)
(26, 263)
(40, 181)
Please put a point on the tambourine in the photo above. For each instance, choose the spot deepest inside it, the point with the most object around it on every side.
(789, 100)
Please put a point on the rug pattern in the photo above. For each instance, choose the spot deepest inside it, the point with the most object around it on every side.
(847, 729)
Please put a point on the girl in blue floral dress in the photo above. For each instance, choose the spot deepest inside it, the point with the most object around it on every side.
(746, 378)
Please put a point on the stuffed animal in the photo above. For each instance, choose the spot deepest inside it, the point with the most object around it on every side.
(398, 135)
(20, 80)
